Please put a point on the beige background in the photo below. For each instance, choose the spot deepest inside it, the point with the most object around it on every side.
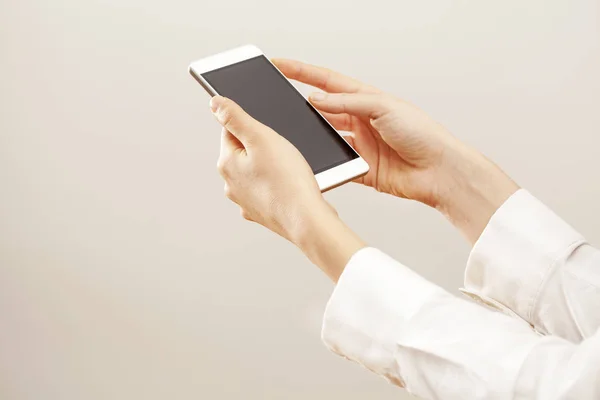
(124, 272)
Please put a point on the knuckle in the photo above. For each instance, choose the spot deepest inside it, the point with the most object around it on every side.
(226, 115)
(245, 214)
(228, 192)
(385, 103)
(343, 102)
(222, 166)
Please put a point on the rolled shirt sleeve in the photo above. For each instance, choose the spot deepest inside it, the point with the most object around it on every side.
(531, 263)
(408, 330)
(418, 336)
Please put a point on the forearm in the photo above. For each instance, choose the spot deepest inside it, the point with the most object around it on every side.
(476, 189)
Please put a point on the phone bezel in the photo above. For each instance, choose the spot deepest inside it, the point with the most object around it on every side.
(327, 179)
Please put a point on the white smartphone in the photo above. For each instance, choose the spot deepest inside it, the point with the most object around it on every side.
(247, 77)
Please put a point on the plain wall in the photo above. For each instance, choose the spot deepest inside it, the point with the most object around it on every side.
(124, 271)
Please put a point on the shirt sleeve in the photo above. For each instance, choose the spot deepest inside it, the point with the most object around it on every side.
(416, 335)
(530, 263)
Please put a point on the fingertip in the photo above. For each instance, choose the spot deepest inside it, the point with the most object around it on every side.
(317, 97)
(216, 102)
(290, 68)
(280, 62)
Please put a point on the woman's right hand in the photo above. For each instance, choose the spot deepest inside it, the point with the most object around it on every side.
(409, 154)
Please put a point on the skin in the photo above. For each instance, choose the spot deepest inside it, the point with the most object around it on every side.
(409, 154)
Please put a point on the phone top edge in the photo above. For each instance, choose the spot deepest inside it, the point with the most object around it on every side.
(225, 58)
(205, 85)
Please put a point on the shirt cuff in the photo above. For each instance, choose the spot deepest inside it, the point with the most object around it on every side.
(416, 335)
(516, 253)
(372, 304)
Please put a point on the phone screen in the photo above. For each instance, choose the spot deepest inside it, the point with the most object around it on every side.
(257, 86)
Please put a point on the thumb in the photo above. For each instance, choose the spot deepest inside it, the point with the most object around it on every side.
(367, 105)
(233, 118)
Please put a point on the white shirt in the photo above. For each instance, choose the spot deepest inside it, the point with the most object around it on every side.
(544, 343)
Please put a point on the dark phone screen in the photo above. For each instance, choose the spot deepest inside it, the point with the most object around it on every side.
(257, 86)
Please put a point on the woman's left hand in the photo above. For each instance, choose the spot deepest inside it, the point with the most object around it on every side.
(274, 186)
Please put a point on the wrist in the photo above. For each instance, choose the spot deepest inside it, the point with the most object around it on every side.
(474, 189)
(327, 241)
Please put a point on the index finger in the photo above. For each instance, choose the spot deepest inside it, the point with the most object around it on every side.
(322, 78)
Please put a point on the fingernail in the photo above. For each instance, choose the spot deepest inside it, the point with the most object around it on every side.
(318, 96)
(215, 102)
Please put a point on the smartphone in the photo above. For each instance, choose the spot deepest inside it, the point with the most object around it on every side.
(247, 77)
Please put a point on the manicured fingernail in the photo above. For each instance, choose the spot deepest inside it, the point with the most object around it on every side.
(318, 96)
(215, 102)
